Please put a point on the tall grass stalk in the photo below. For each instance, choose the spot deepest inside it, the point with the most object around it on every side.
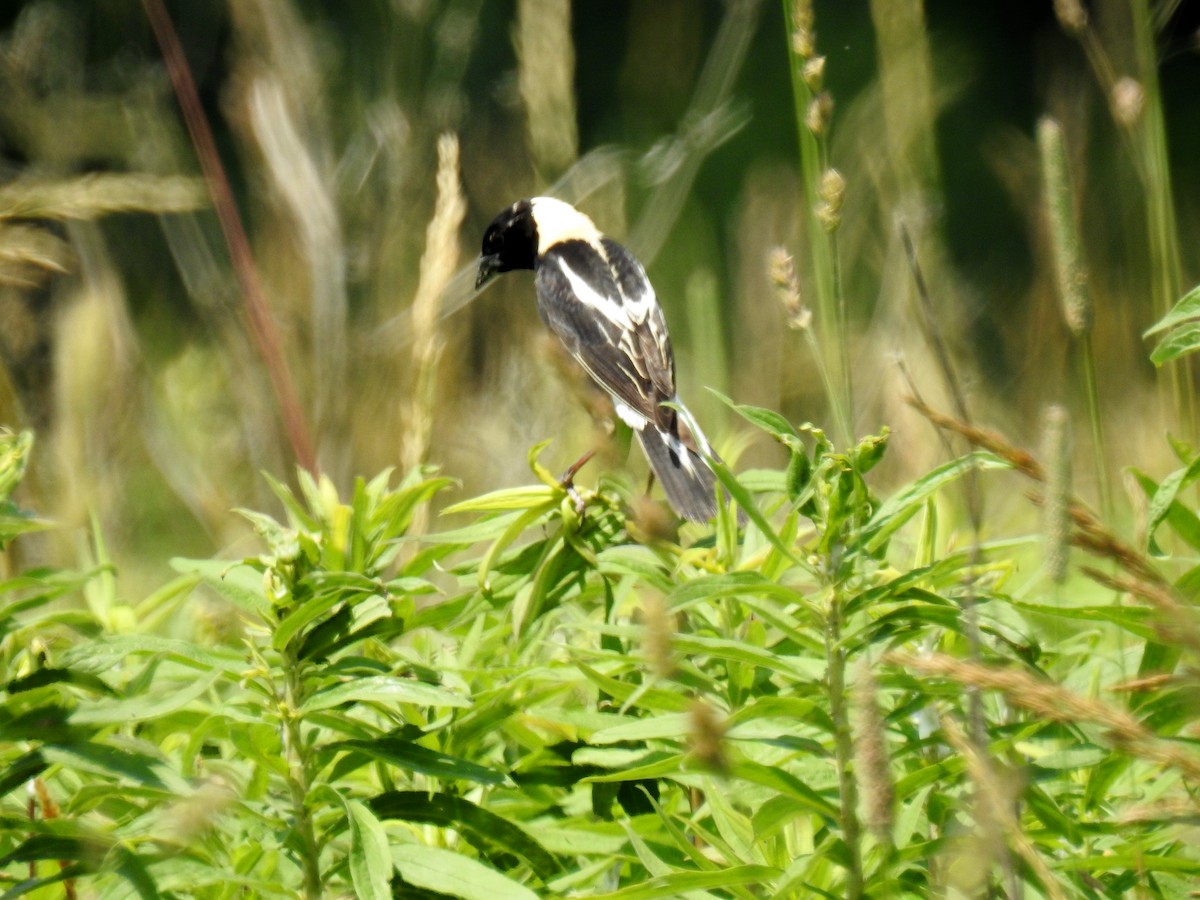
(438, 263)
(1073, 283)
(813, 111)
(1150, 135)
(1136, 107)
(258, 313)
(781, 269)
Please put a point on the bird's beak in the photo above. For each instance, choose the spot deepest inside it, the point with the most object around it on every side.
(489, 265)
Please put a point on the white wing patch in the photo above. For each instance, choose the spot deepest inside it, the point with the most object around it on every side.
(629, 415)
(608, 307)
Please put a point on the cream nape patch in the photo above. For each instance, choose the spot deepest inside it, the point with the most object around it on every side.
(558, 221)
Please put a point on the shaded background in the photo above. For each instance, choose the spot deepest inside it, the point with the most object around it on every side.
(672, 122)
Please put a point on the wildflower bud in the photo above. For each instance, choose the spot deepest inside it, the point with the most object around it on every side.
(831, 192)
(1128, 99)
(816, 117)
(708, 733)
(814, 73)
(1056, 526)
(782, 271)
(1071, 16)
(1069, 270)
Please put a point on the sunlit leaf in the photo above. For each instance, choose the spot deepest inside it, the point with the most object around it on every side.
(370, 858)
(451, 873)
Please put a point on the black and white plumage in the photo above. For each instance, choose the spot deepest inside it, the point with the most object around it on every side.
(596, 297)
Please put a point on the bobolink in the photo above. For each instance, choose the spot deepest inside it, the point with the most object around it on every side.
(595, 296)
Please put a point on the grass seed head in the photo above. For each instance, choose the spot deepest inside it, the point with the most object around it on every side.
(1056, 523)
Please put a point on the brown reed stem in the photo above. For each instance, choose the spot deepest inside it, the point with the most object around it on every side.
(258, 314)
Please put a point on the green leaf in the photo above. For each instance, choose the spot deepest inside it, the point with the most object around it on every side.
(383, 689)
(54, 847)
(675, 885)
(370, 857)
(238, 583)
(673, 726)
(524, 497)
(1187, 308)
(649, 698)
(307, 613)
(514, 530)
(298, 516)
(907, 502)
(1163, 505)
(451, 873)
(746, 502)
(1134, 619)
(142, 708)
(415, 758)
(765, 419)
(42, 677)
(28, 765)
(126, 765)
(484, 829)
(785, 783)
(1179, 341)
(109, 650)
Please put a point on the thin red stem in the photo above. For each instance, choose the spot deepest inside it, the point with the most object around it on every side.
(258, 313)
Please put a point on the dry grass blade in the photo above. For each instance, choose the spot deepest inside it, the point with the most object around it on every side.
(994, 806)
(1056, 703)
(303, 185)
(1090, 533)
(992, 441)
(1179, 624)
(92, 196)
(28, 254)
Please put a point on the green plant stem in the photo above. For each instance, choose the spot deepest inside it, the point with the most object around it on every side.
(822, 251)
(1087, 362)
(846, 420)
(298, 778)
(835, 660)
(1150, 137)
(814, 345)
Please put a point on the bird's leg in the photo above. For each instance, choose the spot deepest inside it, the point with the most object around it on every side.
(567, 480)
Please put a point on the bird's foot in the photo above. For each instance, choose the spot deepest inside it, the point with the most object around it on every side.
(567, 480)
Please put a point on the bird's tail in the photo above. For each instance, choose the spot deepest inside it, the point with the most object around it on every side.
(689, 482)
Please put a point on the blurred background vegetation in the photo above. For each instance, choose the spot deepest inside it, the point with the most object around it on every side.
(368, 144)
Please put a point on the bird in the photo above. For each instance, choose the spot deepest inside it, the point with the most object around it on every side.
(594, 295)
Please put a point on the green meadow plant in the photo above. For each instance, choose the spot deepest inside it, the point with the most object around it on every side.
(846, 686)
(542, 699)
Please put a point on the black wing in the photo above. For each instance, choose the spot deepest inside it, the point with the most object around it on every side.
(604, 310)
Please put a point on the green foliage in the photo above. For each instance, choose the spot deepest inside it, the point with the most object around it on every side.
(1179, 330)
(534, 704)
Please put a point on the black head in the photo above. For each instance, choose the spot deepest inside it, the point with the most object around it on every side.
(510, 242)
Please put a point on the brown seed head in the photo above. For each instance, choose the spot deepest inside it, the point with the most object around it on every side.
(816, 117)
(1128, 99)
(831, 193)
(1071, 16)
(814, 73)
